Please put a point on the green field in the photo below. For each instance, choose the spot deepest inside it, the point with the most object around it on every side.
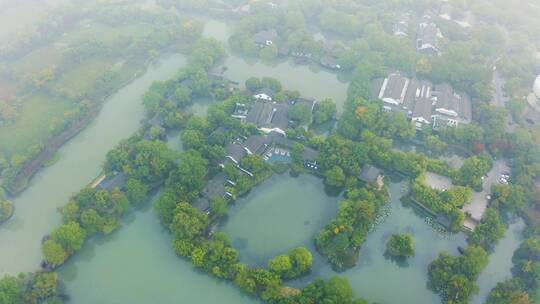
(36, 61)
(32, 124)
(82, 78)
(104, 33)
(72, 81)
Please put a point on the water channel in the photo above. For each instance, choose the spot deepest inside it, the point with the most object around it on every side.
(79, 162)
(311, 81)
(137, 264)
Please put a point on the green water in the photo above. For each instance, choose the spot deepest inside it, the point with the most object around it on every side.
(295, 201)
(500, 261)
(79, 163)
(137, 265)
(279, 215)
(310, 81)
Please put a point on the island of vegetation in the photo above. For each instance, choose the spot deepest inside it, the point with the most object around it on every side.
(400, 246)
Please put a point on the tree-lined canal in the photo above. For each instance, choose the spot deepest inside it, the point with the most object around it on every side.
(310, 81)
(137, 264)
(79, 162)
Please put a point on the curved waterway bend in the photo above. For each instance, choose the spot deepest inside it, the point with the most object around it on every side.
(281, 214)
(285, 213)
(137, 265)
(79, 162)
(311, 81)
(500, 261)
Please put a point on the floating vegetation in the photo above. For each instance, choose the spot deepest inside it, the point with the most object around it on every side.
(382, 215)
(439, 229)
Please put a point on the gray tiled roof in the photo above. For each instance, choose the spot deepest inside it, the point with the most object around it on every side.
(263, 36)
(257, 144)
(269, 114)
(118, 180)
(235, 151)
(394, 87)
(450, 100)
(369, 174)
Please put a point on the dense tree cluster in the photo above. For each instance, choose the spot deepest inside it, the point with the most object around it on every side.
(454, 277)
(6, 209)
(447, 202)
(132, 51)
(509, 291)
(400, 246)
(341, 239)
(293, 264)
(472, 172)
(39, 287)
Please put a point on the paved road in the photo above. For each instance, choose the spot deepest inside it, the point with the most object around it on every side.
(499, 98)
(478, 204)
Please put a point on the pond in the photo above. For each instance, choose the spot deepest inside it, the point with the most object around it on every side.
(79, 162)
(281, 214)
(284, 213)
(381, 280)
(137, 265)
(310, 81)
(500, 261)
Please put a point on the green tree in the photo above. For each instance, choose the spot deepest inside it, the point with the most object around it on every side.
(268, 53)
(326, 110)
(335, 177)
(281, 265)
(92, 222)
(302, 260)
(489, 231)
(253, 84)
(136, 191)
(54, 253)
(10, 290)
(218, 206)
(70, 236)
(400, 246)
(300, 113)
(509, 291)
(188, 222)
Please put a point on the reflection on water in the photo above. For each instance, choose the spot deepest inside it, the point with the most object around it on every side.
(310, 81)
(279, 215)
(137, 265)
(79, 162)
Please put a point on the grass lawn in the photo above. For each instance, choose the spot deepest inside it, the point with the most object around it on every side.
(7, 89)
(83, 77)
(104, 33)
(37, 60)
(32, 125)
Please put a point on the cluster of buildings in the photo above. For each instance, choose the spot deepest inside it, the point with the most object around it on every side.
(111, 182)
(423, 102)
(272, 120)
(266, 38)
(268, 115)
(428, 34)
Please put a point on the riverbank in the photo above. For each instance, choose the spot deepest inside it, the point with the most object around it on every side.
(36, 163)
(80, 162)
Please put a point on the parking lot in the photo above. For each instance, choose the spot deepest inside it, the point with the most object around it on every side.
(479, 201)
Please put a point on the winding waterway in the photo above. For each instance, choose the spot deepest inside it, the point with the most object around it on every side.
(311, 81)
(79, 162)
(281, 214)
(137, 265)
